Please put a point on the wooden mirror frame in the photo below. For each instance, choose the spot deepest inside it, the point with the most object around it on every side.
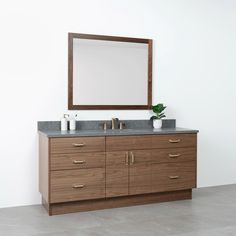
(71, 106)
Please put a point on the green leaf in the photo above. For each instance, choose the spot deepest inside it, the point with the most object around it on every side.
(153, 118)
(162, 116)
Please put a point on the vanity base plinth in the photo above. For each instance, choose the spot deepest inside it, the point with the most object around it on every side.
(98, 204)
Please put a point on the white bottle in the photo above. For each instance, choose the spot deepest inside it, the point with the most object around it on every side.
(72, 123)
(64, 123)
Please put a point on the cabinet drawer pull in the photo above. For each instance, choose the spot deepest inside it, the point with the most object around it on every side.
(174, 177)
(78, 162)
(78, 144)
(174, 155)
(132, 158)
(126, 158)
(174, 140)
(78, 186)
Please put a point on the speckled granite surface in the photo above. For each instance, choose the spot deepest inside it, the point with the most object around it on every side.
(94, 128)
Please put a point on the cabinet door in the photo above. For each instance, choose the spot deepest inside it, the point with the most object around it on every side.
(117, 174)
(140, 172)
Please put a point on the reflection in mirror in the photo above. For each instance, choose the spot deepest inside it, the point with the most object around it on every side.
(108, 72)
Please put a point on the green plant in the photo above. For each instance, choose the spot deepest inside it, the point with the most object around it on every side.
(159, 111)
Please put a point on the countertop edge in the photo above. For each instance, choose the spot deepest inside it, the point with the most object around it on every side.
(117, 133)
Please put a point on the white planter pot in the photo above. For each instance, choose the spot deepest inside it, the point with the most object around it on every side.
(157, 124)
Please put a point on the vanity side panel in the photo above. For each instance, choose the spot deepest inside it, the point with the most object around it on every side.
(44, 167)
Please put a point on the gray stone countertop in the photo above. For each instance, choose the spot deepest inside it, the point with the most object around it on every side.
(116, 132)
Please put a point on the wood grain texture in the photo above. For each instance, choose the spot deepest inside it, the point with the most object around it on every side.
(46, 205)
(70, 72)
(67, 145)
(128, 142)
(90, 205)
(72, 106)
(44, 167)
(173, 155)
(62, 183)
(117, 174)
(162, 176)
(111, 179)
(77, 160)
(174, 140)
(149, 74)
(140, 172)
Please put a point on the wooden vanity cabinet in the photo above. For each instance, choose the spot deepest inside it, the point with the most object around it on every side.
(124, 176)
(87, 173)
(117, 174)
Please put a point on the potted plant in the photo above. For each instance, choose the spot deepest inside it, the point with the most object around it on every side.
(159, 114)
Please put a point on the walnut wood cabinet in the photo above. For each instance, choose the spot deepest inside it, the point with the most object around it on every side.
(87, 173)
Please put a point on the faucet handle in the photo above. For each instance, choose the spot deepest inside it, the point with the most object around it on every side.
(104, 126)
(121, 125)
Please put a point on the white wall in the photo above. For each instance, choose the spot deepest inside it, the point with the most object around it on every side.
(194, 74)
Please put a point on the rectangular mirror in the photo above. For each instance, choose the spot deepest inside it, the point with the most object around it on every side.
(108, 72)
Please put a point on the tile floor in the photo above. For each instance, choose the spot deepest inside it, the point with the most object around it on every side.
(212, 211)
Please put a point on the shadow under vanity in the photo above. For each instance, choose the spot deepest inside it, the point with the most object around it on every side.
(91, 169)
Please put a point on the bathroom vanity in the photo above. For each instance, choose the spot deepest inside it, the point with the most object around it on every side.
(91, 168)
(96, 169)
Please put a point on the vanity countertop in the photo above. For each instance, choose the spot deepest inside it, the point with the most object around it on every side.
(116, 132)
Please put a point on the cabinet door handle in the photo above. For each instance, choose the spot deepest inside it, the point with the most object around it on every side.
(78, 186)
(174, 177)
(78, 162)
(126, 158)
(174, 140)
(132, 158)
(174, 155)
(78, 144)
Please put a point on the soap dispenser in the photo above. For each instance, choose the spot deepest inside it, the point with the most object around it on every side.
(64, 123)
(72, 123)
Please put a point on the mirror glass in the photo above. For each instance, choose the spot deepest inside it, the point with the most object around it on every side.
(109, 74)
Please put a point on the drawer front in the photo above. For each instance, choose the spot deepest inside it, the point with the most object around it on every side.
(77, 160)
(128, 142)
(173, 155)
(174, 141)
(73, 185)
(75, 145)
(173, 176)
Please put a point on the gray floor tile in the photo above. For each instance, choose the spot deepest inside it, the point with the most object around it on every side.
(212, 211)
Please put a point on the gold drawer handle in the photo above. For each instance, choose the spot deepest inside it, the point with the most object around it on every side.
(78, 162)
(126, 158)
(174, 140)
(132, 158)
(174, 155)
(78, 144)
(174, 177)
(78, 186)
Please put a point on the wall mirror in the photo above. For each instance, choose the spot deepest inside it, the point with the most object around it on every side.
(108, 72)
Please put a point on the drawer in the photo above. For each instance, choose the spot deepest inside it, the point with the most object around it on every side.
(73, 185)
(77, 160)
(128, 142)
(173, 176)
(174, 141)
(173, 155)
(75, 145)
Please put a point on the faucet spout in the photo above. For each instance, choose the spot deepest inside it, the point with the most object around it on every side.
(114, 123)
